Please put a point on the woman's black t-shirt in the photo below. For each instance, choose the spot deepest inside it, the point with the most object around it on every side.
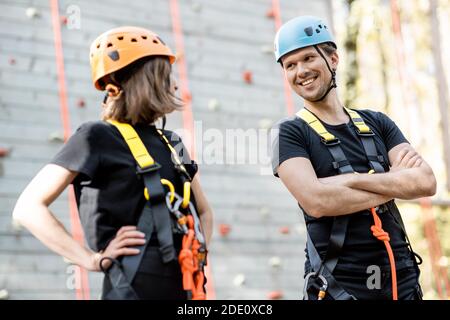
(108, 191)
(294, 138)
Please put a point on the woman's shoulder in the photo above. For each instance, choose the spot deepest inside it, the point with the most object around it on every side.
(96, 128)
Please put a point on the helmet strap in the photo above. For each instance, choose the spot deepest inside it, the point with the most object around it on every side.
(333, 75)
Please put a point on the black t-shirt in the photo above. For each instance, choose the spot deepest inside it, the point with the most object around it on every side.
(108, 191)
(294, 138)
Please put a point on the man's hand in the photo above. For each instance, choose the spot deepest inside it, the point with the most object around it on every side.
(406, 158)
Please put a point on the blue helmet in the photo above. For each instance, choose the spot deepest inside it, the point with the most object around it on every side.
(301, 32)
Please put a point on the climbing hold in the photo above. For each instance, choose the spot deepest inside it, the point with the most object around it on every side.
(247, 76)
(213, 104)
(67, 261)
(32, 12)
(196, 7)
(179, 55)
(16, 226)
(4, 294)
(275, 262)
(186, 96)
(224, 229)
(239, 280)
(3, 152)
(274, 295)
(443, 261)
(64, 20)
(12, 61)
(56, 137)
(299, 228)
(265, 123)
(81, 103)
(284, 230)
(267, 49)
(270, 13)
(264, 211)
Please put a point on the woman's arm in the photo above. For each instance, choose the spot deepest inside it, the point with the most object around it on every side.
(32, 212)
(204, 210)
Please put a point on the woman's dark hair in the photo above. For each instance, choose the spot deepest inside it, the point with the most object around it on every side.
(146, 92)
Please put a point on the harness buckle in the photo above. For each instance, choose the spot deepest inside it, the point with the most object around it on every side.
(154, 167)
(333, 142)
(364, 134)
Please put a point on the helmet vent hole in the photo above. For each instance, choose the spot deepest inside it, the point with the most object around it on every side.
(325, 26)
(144, 37)
(133, 40)
(98, 45)
(317, 30)
(309, 31)
(120, 38)
(109, 45)
(320, 26)
(155, 41)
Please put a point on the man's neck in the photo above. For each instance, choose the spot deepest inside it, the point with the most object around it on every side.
(329, 110)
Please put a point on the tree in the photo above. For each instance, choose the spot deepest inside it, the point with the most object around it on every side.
(441, 85)
(351, 47)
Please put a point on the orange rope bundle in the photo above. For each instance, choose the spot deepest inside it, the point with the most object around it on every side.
(193, 277)
(380, 234)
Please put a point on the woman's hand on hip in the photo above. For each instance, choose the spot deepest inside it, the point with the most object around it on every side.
(122, 245)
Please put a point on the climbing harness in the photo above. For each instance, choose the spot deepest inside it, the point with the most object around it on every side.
(323, 268)
(156, 216)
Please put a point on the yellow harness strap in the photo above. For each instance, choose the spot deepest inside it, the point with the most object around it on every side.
(318, 127)
(144, 159)
(315, 124)
(137, 147)
(358, 122)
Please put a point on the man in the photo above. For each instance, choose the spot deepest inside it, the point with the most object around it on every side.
(353, 224)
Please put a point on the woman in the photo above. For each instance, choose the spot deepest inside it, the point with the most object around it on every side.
(134, 66)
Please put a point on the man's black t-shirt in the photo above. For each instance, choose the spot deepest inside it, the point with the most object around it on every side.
(294, 138)
(109, 193)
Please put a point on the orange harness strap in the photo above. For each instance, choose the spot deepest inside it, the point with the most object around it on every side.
(380, 234)
(193, 277)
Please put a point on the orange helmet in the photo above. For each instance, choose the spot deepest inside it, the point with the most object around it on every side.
(119, 47)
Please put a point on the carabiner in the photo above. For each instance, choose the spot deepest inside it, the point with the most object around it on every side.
(171, 188)
(186, 194)
(166, 183)
(322, 290)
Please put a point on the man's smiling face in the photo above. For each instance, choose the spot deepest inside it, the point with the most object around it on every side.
(307, 72)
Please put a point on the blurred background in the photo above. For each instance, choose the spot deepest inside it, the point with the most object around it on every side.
(392, 60)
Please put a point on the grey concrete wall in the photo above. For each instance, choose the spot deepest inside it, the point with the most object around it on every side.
(222, 38)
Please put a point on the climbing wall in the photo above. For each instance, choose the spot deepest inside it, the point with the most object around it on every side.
(232, 84)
